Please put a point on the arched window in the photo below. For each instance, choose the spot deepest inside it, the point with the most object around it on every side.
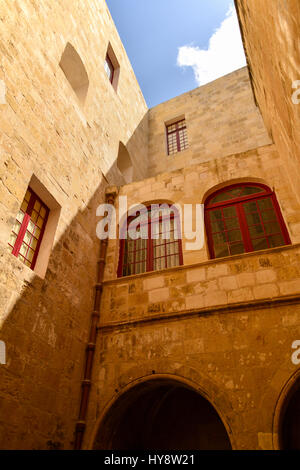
(242, 218)
(158, 245)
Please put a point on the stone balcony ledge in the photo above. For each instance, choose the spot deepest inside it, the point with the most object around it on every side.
(203, 264)
(264, 276)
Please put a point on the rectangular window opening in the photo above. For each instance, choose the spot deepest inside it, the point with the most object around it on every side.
(33, 232)
(28, 230)
(112, 67)
(109, 68)
(177, 140)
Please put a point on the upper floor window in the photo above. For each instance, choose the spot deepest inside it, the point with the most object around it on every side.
(176, 137)
(243, 218)
(160, 247)
(28, 229)
(112, 67)
(109, 68)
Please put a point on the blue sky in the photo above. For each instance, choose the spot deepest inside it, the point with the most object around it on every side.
(177, 45)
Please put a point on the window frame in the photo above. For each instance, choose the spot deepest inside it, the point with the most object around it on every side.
(241, 215)
(111, 68)
(177, 133)
(149, 245)
(23, 228)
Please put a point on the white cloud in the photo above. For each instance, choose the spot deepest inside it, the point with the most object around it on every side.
(225, 52)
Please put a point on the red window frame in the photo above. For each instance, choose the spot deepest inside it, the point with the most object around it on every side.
(179, 131)
(149, 247)
(28, 218)
(263, 193)
(110, 67)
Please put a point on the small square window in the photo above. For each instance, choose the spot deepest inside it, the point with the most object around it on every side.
(109, 68)
(112, 67)
(176, 137)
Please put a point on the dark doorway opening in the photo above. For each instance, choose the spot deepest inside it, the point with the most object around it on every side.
(162, 415)
(290, 420)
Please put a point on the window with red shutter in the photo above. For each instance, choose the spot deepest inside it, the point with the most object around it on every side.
(244, 218)
(176, 137)
(28, 230)
(162, 249)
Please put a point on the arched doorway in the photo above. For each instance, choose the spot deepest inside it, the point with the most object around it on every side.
(161, 414)
(289, 427)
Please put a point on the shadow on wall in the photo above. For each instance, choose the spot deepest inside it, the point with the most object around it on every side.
(45, 333)
(131, 164)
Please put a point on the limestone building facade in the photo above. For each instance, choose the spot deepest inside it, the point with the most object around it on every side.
(118, 346)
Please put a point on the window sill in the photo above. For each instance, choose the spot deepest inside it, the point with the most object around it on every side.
(173, 155)
(209, 262)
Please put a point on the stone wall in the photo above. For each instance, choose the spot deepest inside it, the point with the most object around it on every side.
(225, 326)
(221, 119)
(267, 274)
(72, 150)
(240, 360)
(271, 38)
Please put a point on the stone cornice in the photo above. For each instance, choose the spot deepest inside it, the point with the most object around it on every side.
(219, 309)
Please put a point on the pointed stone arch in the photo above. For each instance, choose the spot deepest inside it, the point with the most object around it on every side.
(75, 72)
(124, 163)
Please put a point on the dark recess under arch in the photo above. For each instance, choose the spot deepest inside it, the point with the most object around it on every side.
(162, 414)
